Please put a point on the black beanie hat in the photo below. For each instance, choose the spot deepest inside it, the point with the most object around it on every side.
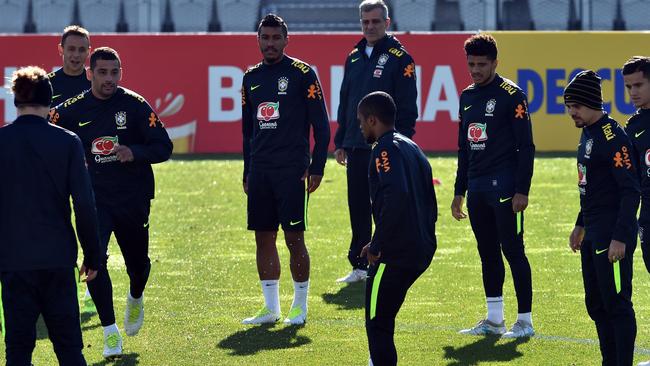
(42, 94)
(585, 89)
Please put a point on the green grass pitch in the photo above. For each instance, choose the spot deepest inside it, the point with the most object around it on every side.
(204, 281)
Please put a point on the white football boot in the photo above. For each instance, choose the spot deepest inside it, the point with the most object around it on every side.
(485, 327)
(521, 329)
(264, 316)
(133, 315)
(112, 344)
(357, 275)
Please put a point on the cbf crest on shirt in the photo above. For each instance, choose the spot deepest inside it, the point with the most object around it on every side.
(280, 103)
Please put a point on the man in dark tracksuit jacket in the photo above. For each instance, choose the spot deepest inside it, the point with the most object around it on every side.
(636, 74)
(42, 166)
(405, 211)
(495, 167)
(70, 80)
(606, 227)
(378, 62)
(122, 137)
(282, 101)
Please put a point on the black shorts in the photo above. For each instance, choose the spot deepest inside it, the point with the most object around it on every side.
(277, 196)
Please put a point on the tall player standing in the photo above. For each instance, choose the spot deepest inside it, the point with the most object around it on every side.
(281, 102)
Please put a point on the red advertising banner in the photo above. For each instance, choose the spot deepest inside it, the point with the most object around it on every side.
(193, 81)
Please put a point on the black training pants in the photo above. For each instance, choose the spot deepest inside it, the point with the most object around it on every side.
(386, 289)
(53, 293)
(130, 224)
(608, 297)
(498, 229)
(358, 204)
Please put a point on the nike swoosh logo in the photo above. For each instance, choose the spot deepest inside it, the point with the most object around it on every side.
(55, 96)
(601, 251)
(639, 134)
(354, 60)
(253, 87)
(81, 124)
(146, 225)
(292, 223)
(467, 107)
(504, 199)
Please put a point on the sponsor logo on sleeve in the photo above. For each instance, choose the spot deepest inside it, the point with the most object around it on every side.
(301, 66)
(509, 88)
(607, 130)
(396, 52)
(409, 70)
(54, 116)
(520, 111)
(266, 112)
(153, 119)
(314, 91)
(622, 158)
(382, 162)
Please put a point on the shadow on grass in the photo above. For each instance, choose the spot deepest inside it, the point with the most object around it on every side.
(485, 349)
(264, 337)
(86, 317)
(127, 359)
(350, 297)
(41, 328)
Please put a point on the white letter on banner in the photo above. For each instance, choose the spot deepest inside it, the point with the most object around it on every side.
(5, 94)
(443, 79)
(336, 79)
(217, 93)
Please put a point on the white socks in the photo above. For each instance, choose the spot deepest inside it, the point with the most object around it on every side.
(495, 309)
(527, 317)
(300, 290)
(271, 291)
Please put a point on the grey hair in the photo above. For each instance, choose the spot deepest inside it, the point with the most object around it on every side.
(370, 5)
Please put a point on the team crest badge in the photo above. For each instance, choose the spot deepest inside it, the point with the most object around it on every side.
(120, 120)
(588, 146)
(382, 60)
(489, 107)
(283, 84)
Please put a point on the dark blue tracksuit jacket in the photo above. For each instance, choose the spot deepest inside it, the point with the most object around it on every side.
(403, 203)
(389, 69)
(42, 166)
